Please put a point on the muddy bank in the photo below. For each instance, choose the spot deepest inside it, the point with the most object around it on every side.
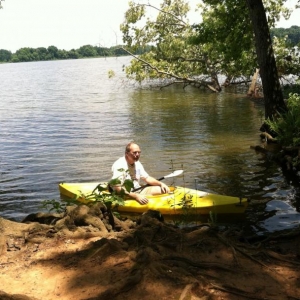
(78, 255)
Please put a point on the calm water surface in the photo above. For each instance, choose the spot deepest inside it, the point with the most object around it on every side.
(66, 121)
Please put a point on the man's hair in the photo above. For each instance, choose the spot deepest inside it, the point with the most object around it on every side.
(128, 146)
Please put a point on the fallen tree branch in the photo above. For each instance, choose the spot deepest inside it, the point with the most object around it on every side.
(268, 137)
(184, 80)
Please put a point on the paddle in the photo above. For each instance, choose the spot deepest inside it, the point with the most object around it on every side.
(173, 174)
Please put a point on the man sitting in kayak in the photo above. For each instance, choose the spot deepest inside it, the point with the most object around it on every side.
(133, 169)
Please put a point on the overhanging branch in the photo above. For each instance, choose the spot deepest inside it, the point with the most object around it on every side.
(165, 12)
(170, 74)
(184, 80)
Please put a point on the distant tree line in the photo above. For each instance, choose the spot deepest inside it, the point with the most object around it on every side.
(292, 33)
(53, 53)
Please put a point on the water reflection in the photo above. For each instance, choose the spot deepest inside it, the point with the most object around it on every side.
(277, 216)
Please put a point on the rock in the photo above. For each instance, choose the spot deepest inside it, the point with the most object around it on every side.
(43, 218)
(5, 296)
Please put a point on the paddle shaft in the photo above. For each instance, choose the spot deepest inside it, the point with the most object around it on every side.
(142, 187)
(175, 173)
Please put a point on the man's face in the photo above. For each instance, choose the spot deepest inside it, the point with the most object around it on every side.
(134, 154)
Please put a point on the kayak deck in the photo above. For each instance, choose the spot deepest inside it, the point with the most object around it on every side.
(179, 201)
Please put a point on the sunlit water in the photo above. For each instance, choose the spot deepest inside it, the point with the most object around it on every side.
(66, 121)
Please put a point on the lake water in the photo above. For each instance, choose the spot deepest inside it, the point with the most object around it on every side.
(67, 121)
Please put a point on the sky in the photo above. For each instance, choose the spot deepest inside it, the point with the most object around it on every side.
(69, 24)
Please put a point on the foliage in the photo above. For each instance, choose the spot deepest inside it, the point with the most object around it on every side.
(57, 206)
(293, 88)
(292, 35)
(112, 198)
(185, 203)
(275, 9)
(87, 51)
(100, 194)
(111, 74)
(222, 44)
(287, 58)
(5, 55)
(53, 53)
(227, 33)
(287, 125)
(171, 56)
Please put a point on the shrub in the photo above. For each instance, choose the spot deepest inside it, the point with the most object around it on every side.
(287, 125)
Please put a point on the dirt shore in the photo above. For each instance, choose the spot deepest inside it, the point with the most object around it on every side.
(78, 257)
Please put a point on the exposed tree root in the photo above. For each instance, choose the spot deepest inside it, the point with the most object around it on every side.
(200, 264)
(148, 260)
(235, 291)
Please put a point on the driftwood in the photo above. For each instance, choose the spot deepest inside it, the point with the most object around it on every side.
(261, 150)
(285, 157)
(253, 89)
(268, 137)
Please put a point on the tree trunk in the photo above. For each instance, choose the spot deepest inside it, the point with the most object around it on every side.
(273, 96)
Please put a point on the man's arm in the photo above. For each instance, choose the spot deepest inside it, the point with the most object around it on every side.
(152, 181)
(138, 197)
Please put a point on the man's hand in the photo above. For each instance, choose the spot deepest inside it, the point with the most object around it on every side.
(141, 199)
(164, 188)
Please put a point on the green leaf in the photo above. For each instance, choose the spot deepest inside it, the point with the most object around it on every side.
(115, 181)
(128, 185)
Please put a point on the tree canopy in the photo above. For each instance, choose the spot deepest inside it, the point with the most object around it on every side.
(194, 54)
(172, 56)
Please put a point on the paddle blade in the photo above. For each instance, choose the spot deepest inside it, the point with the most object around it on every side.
(175, 173)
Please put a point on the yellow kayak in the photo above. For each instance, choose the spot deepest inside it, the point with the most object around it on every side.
(179, 201)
